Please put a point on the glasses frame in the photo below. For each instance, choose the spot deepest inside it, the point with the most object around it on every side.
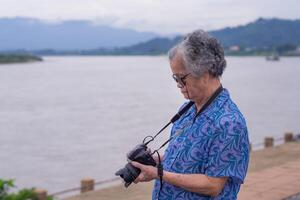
(180, 80)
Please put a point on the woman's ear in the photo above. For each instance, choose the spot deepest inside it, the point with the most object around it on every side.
(205, 78)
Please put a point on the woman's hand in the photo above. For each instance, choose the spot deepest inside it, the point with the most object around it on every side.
(148, 172)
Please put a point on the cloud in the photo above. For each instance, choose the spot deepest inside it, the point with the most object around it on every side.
(161, 16)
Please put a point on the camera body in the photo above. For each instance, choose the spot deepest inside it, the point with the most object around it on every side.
(141, 154)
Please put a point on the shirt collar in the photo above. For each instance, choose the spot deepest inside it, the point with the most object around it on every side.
(214, 107)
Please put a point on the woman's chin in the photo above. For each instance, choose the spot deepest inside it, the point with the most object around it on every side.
(185, 95)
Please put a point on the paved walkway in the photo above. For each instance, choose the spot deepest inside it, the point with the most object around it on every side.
(275, 183)
(274, 174)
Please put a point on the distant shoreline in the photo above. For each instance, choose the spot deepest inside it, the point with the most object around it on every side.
(25, 58)
(153, 55)
(16, 58)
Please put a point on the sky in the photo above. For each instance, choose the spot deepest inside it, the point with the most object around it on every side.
(159, 16)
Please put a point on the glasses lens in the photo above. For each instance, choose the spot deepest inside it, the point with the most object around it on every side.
(179, 79)
(176, 78)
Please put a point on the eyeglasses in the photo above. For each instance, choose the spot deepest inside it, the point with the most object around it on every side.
(179, 79)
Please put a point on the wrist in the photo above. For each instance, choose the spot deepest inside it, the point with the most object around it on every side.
(160, 171)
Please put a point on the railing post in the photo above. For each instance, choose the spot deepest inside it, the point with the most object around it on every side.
(288, 137)
(41, 193)
(269, 142)
(87, 184)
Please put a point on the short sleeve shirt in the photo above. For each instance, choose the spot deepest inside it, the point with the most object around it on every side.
(214, 143)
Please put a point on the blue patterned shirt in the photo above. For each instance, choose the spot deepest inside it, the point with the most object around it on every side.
(215, 143)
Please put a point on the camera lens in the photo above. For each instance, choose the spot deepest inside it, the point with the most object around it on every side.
(129, 173)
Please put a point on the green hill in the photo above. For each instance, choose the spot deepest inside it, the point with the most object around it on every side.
(261, 33)
(257, 36)
(153, 46)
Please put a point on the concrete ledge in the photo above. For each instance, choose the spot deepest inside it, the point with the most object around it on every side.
(274, 173)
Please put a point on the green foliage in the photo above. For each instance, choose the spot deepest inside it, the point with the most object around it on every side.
(24, 194)
(4, 187)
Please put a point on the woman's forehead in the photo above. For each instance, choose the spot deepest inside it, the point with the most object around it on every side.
(177, 65)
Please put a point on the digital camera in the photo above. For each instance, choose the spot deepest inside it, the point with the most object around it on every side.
(142, 154)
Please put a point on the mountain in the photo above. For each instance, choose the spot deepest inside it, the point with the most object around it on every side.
(33, 34)
(153, 46)
(262, 34)
(82, 38)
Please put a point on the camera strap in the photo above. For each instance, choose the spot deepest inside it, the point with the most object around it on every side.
(182, 111)
(175, 118)
(160, 171)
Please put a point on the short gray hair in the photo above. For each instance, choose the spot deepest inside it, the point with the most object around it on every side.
(201, 53)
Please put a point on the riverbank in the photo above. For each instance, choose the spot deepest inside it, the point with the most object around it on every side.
(15, 58)
(273, 162)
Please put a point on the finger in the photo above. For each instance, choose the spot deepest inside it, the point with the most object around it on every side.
(138, 165)
(138, 179)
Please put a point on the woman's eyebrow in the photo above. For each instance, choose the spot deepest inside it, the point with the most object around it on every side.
(179, 74)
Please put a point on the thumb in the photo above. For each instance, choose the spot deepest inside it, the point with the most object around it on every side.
(138, 165)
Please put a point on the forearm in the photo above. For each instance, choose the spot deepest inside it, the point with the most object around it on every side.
(198, 183)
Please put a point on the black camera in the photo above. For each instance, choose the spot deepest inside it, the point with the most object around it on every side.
(142, 154)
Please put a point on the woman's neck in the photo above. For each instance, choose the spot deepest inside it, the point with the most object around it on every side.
(213, 86)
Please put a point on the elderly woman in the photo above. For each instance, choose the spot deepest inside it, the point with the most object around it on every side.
(207, 157)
